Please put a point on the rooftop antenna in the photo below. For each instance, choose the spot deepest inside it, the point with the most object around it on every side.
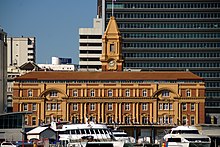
(113, 7)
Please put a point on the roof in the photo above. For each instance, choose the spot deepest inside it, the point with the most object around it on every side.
(108, 75)
(38, 130)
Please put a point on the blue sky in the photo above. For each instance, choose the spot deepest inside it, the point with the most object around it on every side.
(54, 23)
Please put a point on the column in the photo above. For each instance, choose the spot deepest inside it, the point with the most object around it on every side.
(155, 111)
(151, 111)
(179, 114)
(85, 112)
(103, 116)
(99, 113)
(133, 112)
(67, 112)
(197, 113)
(116, 112)
(137, 112)
(119, 112)
(81, 112)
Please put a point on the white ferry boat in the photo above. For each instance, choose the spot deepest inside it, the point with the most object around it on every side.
(86, 135)
(121, 135)
(185, 136)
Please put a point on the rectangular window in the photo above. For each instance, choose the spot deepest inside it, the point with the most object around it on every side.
(165, 106)
(110, 93)
(34, 106)
(127, 106)
(188, 93)
(110, 106)
(25, 107)
(53, 94)
(144, 106)
(54, 106)
(47, 120)
(184, 120)
(92, 106)
(58, 106)
(160, 106)
(171, 106)
(112, 47)
(48, 106)
(144, 92)
(144, 120)
(192, 120)
(33, 121)
(75, 93)
(75, 106)
(192, 106)
(184, 106)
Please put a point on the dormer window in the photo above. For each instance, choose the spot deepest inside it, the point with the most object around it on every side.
(165, 93)
(53, 94)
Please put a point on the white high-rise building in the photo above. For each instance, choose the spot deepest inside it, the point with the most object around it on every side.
(90, 48)
(20, 50)
(3, 71)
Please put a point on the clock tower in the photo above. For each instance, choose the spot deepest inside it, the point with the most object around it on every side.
(111, 57)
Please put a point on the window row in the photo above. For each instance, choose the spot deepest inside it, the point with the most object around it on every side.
(26, 107)
(53, 106)
(212, 84)
(164, 15)
(213, 104)
(110, 93)
(92, 106)
(172, 55)
(171, 35)
(174, 65)
(90, 44)
(165, 5)
(52, 93)
(212, 94)
(192, 106)
(169, 25)
(171, 45)
(185, 121)
(209, 74)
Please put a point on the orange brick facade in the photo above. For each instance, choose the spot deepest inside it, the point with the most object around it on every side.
(125, 103)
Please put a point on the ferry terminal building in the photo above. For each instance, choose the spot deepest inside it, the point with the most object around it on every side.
(142, 103)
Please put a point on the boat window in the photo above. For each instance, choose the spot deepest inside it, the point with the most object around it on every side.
(82, 131)
(97, 131)
(73, 131)
(78, 132)
(92, 131)
(87, 131)
(174, 140)
(185, 132)
(64, 132)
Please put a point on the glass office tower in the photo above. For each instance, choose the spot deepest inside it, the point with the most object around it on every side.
(172, 35)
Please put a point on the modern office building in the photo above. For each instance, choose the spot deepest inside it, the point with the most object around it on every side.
(21, 50)
(90, 47)
(3, 70)
(171, 35)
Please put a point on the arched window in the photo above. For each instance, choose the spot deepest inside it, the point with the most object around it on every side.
(92, 93)
(188, 93)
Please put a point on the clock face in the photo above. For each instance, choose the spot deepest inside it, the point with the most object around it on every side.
(111, 63)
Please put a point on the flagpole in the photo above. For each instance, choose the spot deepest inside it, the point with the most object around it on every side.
(112, 7)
